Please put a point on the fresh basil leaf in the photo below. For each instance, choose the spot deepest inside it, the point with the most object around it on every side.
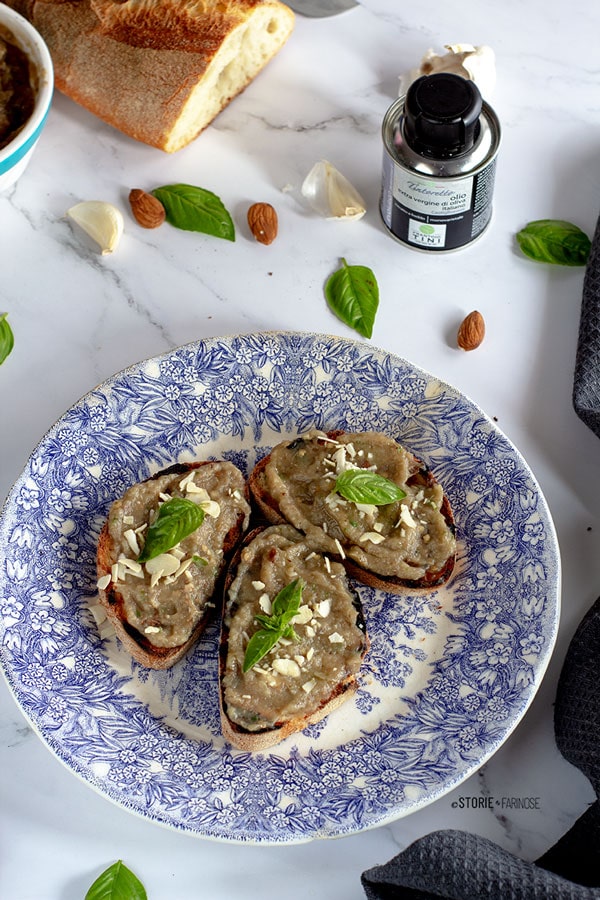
(363, 486)
(287, 602)
(555, 241)
(259, 645)
(269, 623)
(177, 518)
(7, 338)
(195, 209)
(353, 295)
(285, 606)
(117, 883)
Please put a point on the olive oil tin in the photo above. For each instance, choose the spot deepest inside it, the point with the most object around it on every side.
(439, 163)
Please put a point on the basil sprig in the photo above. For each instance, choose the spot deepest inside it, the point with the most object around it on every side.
(117, 883)
(352, 293)
(363, 486)
(195, 209)
(177, 518)
(276, 626)
(555, 241)
(7, 338)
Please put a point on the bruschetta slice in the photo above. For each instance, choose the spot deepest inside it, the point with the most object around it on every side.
(292, 641)
(365, 500)
(162, 554)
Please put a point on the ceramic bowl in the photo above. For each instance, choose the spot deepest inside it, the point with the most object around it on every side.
(15, 156)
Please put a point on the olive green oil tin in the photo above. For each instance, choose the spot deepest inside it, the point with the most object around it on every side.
(439, 163)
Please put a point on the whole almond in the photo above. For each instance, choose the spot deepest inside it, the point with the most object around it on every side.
(471, 332)
(147, 209)
(262, 221)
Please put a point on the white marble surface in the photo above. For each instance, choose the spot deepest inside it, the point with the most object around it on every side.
(79, 317)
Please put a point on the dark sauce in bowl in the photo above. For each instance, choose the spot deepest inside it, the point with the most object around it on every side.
(17, 88)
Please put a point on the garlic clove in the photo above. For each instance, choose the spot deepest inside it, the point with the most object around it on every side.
(331, 194)
(102, 221)
(476, 64)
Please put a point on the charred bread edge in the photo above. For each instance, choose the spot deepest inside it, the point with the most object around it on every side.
(261, 740)
(422, 475)
(142, 650)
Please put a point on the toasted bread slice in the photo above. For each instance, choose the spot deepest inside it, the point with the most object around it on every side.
(159, 608)
(408, 544)
(306, 675)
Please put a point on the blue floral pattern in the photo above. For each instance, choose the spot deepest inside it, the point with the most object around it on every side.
(448, 675)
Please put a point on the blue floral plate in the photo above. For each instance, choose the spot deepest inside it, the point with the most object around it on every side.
(449, 673)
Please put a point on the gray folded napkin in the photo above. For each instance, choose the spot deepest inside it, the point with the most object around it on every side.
(586, 384)
(453, 865)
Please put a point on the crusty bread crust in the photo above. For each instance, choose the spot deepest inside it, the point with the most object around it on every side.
(420, 475)
(158, 70)
(137, 644)
(255, 741)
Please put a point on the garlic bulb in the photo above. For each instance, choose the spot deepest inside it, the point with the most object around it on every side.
(331, 194)
(477, 64)
(102, 221)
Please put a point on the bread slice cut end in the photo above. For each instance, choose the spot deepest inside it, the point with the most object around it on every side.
(242, 55)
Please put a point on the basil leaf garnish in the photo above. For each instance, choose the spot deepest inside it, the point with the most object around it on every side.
(267, 623)
(7, 338)
(287, 602)
(258, 646)
(285, 606)
(195, 209)
(117, 883)
(176, 519)
(352, 293)
(555, 241)
(363, 486)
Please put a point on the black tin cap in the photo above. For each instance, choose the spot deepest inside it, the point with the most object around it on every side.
(441, 115)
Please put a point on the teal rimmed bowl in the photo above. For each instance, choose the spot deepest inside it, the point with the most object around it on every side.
(15, 156)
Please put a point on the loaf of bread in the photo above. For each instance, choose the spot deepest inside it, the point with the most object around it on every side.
(158, 70)
(308, 667)
(401, 544)
(159, 606)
